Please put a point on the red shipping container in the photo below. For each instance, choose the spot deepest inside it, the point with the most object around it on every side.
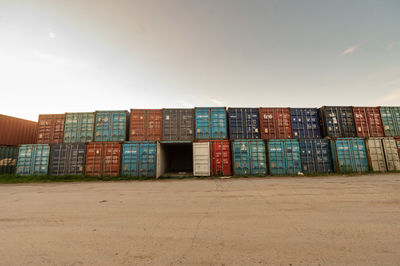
(220, 157)
(145, 124)
(50, 129)
(275, 123)
(15, 131)
(368, 122)
(103, 159)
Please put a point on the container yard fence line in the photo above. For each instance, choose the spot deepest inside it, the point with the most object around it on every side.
(202, 142)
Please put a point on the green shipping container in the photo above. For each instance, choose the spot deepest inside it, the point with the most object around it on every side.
(8, 160)
(33, 159)
(78, 127)
(391, 121)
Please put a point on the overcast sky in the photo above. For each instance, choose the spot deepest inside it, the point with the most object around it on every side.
(68, 56)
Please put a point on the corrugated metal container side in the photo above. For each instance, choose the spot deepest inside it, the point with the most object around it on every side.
(284, 157)
(103, 159)
(8, 160)
(78, 127)
(391, 121)
(67, 159)
(349, 155)
(50, 129)
(368, 122)
(398, 145)
(178, 124)
(337, 121)
(275, 123)
(211, 123)
(110, 126)
(249, 157)
(15, 131)
(391, 155)
(33, 159)
(201, 159)
(145, 124)
(315, 156)
(376, 155)
(244, 123)
(220, 157)
(305, 123)
(139, 158)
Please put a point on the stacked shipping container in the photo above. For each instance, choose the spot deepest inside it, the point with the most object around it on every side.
(139, 158)
(15, 131)
(305, 123)
(33, 159)
(368, 122)
(67, 159)
(50, 129)
(103, 159)
(8, 159)
(78, 127)
(248, 157)
(243, 123)
(337, 121)
(349, 155)
(275, 123)
(284, 157)
(211, 123)
(178, 124)
(145, 124)
(391, 121)
(110, 126)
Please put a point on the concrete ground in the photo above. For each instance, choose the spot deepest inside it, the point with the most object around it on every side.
(335, 220)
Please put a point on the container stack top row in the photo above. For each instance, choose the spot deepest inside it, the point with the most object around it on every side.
(207, 123)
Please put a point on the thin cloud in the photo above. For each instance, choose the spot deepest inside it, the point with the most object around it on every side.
(391, 97)
(390, 46)
(351, 49)
(391, 83)
(217, 102)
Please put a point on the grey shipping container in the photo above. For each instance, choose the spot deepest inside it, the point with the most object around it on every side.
(337, 121)
(382, 154)
(178, 124)
(67, 159)
(8, 160)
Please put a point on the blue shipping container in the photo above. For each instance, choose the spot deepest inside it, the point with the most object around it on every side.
(110, 126)
(349, 155)
(305, 123)
(315, 156)
(33, 159)
(284, 157)
(139, 158)
(243, 123)
(211, 123)
(249, 157)
(67, 159)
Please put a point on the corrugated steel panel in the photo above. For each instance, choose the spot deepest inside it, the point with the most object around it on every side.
(8, 160)
(243, 123)
(15, 131)
(201, 159)
(349, 155)
(376, 155)
(50, 128)
(305, 123)
(67, 159)
(178, 124)
(139, 158)
(398, 145)
(337, 121)
(315, 156)
(391, 121)
(145, 124)
(368, 122)
(275, 123)
(391, 155)
(220, 157)
(78, 127)
(284, 157)
(249, 157)
(103, 159)
(211, 123)
(33, 159)
(110, 126)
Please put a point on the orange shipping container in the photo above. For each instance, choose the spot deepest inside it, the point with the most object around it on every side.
(103, 159)
(50, 129)
(275, 123)
(368, 122)
(145, 124)
(15, 131)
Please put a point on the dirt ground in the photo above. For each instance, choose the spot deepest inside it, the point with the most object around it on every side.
(337, 220)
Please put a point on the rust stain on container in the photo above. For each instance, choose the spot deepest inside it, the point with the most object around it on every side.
(103, 159)
(50, 129)
(275, 123)
(15, 131)
(145, 124)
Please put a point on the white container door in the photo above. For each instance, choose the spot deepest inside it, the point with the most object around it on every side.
(391, 154)
(376, 154)
(201, 159)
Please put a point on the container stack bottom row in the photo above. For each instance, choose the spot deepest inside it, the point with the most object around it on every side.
(204, 158)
